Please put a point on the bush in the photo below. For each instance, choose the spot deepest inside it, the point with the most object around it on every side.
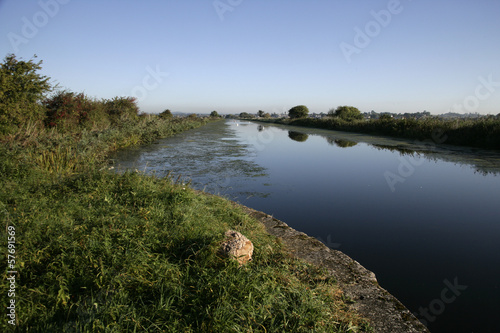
(167, 114)
(67, 110)
(246, 115)
(120, 109)
(214, 114)
(299, 111)
(21, 91)
(348, 113)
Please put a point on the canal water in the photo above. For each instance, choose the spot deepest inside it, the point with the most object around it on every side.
(424, 217)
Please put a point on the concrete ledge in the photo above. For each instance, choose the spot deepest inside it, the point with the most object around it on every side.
(384, 312)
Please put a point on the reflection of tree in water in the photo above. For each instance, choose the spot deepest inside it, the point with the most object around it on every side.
(297, 136)
(260, 128)
(480, 165)
(401, 151)
(341, 142)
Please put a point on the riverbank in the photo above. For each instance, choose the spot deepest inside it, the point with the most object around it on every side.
(479, 133)
(96, 251)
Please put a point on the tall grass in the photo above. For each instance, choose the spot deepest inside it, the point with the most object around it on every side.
(62, 152)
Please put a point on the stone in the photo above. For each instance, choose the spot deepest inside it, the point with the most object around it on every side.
(237, 246)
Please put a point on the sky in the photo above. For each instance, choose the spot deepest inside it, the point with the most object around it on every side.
(237, 56)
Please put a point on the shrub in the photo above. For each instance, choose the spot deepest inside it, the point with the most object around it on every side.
(67, 110)
(120, 109)
(167, 114)
(214, 114)
(299, 111)
(345, 112)
(246, 115)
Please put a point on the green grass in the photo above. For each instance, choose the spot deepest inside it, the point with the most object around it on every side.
(103, 252)
(482, 133)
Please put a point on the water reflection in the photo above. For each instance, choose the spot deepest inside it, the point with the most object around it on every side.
(297, 136)
(211, 158)
(342, 143)
(483, 162)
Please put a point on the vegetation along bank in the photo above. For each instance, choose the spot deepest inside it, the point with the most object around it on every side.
(481, 132)
(97, 251)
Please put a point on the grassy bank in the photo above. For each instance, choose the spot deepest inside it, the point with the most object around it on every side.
(97, 251)
(482, 133)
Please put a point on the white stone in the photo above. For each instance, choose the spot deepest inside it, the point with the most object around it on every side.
(237, 246)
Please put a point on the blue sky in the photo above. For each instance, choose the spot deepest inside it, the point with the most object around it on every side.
(248, 55)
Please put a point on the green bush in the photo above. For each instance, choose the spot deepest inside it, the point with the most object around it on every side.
(345, 112)
(120, 109)
(246, 115)
(299, 111)
(167, 114)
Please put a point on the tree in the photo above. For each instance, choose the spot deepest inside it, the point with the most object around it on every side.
(345, 112)
(167, 114)
(214, 114)
(299, 111)
(21, 91)
(260, 113)
(246, 115)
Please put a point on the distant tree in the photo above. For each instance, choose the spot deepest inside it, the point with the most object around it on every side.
(345, 112)
(266, 115)
(166, 114)
(297, 136)
(260, 113)
(193, 116)
(246, 115)
(385, 116)
(22, 89)
(214, 114)
(299, 111)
